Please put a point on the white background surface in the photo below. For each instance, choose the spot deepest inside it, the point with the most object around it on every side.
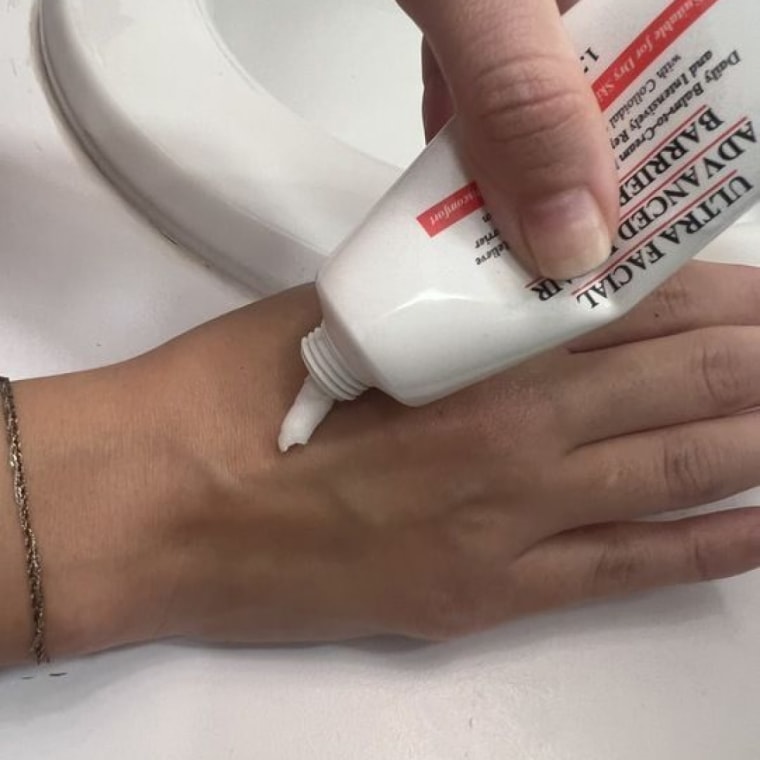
(83, 281)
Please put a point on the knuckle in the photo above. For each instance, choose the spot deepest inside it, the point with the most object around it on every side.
(691, 470)
(719, 367)
(528, 98)
(617, 569)
(452, 609)
(699, 559)
(674, 301)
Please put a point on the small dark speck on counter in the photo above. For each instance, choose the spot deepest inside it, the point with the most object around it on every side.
(58, 675)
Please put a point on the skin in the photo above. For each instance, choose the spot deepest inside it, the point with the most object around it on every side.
(163, 508)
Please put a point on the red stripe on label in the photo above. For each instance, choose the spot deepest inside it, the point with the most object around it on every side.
(451, 210)
(647, 47)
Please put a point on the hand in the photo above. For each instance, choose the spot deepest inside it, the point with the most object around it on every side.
(163, 508)
(518, 495)
(530, 127)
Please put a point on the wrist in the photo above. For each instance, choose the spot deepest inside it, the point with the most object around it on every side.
(101, 481)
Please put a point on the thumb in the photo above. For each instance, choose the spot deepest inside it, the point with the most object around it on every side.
(530, 127)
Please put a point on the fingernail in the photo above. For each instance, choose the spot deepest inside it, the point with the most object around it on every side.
(566, 234)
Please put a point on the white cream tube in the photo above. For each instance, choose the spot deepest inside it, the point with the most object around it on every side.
(425, 298)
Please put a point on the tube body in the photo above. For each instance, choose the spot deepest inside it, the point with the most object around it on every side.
(425, 297)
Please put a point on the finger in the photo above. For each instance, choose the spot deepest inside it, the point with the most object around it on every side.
(700, 295)
(662, 471)
(658, 383)
(437, 106)
(437, 103)
(626, 558)
(530, 126)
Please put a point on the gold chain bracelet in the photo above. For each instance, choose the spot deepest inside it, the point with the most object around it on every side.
(33, 564)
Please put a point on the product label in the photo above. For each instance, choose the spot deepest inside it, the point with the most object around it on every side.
(451, 210)
(679, 108)
(652, 43)
(426, 298)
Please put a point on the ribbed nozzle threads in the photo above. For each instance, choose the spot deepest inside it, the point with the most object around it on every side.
(327, 368)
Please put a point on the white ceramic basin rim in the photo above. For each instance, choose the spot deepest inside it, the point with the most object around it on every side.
(348, 66)
(182, 126)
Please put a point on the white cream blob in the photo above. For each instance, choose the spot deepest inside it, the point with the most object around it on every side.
(307, 413)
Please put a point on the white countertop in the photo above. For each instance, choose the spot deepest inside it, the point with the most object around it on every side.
(673, 675)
